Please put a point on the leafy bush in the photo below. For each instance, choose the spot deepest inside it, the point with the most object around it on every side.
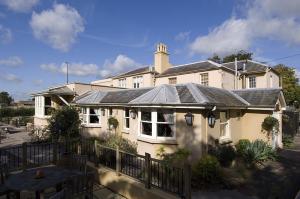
(269, 124)
(226, 154)
(287, 141)
(241, 146)
(64, 123)
(206, 171)
(178, 158)
(15, 112)
(113, 122)
(257, 152)
(124, 144)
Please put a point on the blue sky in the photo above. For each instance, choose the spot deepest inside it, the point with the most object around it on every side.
(99, 38)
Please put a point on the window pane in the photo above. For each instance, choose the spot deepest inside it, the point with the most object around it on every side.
(165, 116)
(164, 130)
(127, 123)
(223, 117)
(223, 129)
(126, 112)
(146, 128)
(173, 80)
(94, 119)
(92, 111)
(146, 115)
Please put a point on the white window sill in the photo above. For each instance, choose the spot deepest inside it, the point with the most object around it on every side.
(225, 140)
(92, 125)
(42, 117)
(125, 131)
(158, 141)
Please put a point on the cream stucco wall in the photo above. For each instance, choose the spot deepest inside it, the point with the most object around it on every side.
(214, 78)
(268, 79)
(148, 80)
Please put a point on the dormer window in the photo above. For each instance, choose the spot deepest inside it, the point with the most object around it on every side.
(252, 82)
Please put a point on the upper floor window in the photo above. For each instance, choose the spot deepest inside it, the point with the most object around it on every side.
(122, 83)
(126, 118)
(252, 82)
(137, 82)
(157, 124)
(173, 80)
(204, 79)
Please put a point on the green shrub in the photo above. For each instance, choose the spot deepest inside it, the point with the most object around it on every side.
(177, 158)
(113, 122)
(206, 171)
(269, 124)
(226, 154)
(257, 152)
(112, 141)
(241, 145)
(16, 112)
(287, 141)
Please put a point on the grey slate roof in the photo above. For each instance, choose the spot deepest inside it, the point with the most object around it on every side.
(180, 95)
(189, 68)
(62, 90)
(260, 97)
(135, 72)
(251, 66)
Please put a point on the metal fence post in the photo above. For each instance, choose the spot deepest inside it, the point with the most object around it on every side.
(187, 180)
(147, 171)
(97, 151)
(55, 146)
(24, 155)
(118, 161)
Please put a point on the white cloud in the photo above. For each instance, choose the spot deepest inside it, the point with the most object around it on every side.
(11, 61)
(19, 5)
(8, 77)
(182, 36)
(267, 19)
(120, 64)
(5, 35)
(57, 27)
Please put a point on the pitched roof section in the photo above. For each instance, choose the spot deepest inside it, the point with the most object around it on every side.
(189, 68)
(260, 97)
(135, 72)
(164, 94)
(182, 95)
(250, 66)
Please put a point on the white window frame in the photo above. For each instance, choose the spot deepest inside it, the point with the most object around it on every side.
(204, 82)
(126, 117)
(87, 116)
(122, 83)
(154, 123)
(137, 81)
(172, 79)
(251, 82)
(227, 130)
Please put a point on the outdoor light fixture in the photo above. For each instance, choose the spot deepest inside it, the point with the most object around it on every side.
(133, 114)
(189, 118)
(103, 111)
(211, 119)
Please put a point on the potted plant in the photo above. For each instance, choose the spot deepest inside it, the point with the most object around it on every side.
(271, 126)
(113, 123)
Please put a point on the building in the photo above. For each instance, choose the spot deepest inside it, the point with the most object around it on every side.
(191, 106)
(157, 116)
(233, 75)
(55, 97)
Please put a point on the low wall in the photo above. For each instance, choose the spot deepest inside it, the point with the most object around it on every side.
(127, 186)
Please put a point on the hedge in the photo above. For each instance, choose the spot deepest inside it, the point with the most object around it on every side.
(15, 112)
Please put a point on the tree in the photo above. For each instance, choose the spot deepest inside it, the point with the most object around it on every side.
(290, 86)
(241, 55)
(64, 123)
(5, 98)
(215, 58)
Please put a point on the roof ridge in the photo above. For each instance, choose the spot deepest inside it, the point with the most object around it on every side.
(239, 98)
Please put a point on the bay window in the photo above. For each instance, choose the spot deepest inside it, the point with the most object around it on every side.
(90, 116)
(157, 124)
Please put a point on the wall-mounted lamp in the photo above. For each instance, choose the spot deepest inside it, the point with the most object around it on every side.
(189, 118)
(211, 119)
(133, 114)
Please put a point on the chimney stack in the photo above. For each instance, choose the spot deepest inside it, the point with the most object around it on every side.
(161, 58)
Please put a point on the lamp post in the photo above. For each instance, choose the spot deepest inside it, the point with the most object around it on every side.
(211, 119)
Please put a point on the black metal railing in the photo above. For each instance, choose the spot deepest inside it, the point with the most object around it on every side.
(107, 157)
(166, 177)
(133, 165)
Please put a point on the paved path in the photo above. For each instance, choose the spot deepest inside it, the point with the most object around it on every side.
(14, 139)
(293, 153)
